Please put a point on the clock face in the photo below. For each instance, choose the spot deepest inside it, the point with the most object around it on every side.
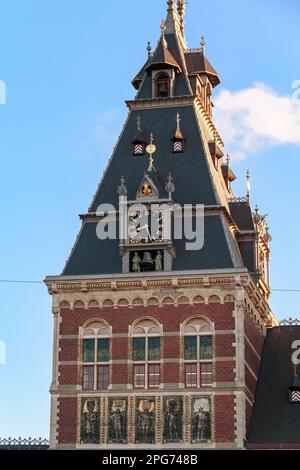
(145, 227)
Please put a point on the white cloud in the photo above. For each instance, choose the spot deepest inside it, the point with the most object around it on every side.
(257, 118)
(105, 123)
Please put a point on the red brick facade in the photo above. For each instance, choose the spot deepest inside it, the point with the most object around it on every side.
(225, 351)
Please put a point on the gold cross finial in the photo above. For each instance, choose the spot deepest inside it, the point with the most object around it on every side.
(151, 149)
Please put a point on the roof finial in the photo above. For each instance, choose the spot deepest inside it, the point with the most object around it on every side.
(149, 49)
(178, 121)
(170, 187)
(228, 158)
(151, 149)
(203, 45)
(181, 8)
(122, 190)
(163, 27)
(248, 187)
(139, 123)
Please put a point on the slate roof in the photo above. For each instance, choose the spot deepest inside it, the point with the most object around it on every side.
(242, 215)
(275, 422)
(162, 57)
(197, 63)
(190, 170)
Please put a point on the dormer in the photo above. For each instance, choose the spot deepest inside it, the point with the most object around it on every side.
(202, 75)
(162, 68)
(178, 141)
(139, 140)
(228, 174)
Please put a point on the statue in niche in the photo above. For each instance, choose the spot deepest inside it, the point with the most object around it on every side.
(118, 421)
(147, 190)
(201, 420)
(173, 420)
(90, 428)
(136, 263)
(145, 422)
(158, 262)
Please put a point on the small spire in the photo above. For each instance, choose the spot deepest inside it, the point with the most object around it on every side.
(248, 186)
(178, 121)
(267, 236)
(163, 27)
(228, 158)
(257, 217)
(139, 123)
(178, 133)
(181, 8)
(149, 49)
(122, 190)
(170, 187)
(203, 45)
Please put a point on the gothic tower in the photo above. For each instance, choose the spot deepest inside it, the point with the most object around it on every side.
(162, 308)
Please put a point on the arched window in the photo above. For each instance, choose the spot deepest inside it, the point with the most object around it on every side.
(162, 85)
(146, 354)
(198, 353)
(96, 347)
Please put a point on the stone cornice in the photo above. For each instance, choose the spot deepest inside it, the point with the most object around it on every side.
(221, 280)
(147, 281)
(149, 103)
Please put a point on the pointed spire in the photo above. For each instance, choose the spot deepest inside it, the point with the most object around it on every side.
(178, 133)
(149, 49)
(203, 45)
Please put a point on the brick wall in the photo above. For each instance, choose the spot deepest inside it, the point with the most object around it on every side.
(67, 414)
(170, 317)
(224, 418)
(254, 341)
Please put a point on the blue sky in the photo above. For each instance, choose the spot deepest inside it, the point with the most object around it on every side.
(67, 67)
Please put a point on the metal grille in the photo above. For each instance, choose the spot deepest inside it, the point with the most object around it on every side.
(23, 444)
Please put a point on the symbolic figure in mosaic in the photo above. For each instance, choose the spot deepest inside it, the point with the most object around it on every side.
(201, 420)
(145, 421)
(90, 427)
(173, 420)
(117, 421)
